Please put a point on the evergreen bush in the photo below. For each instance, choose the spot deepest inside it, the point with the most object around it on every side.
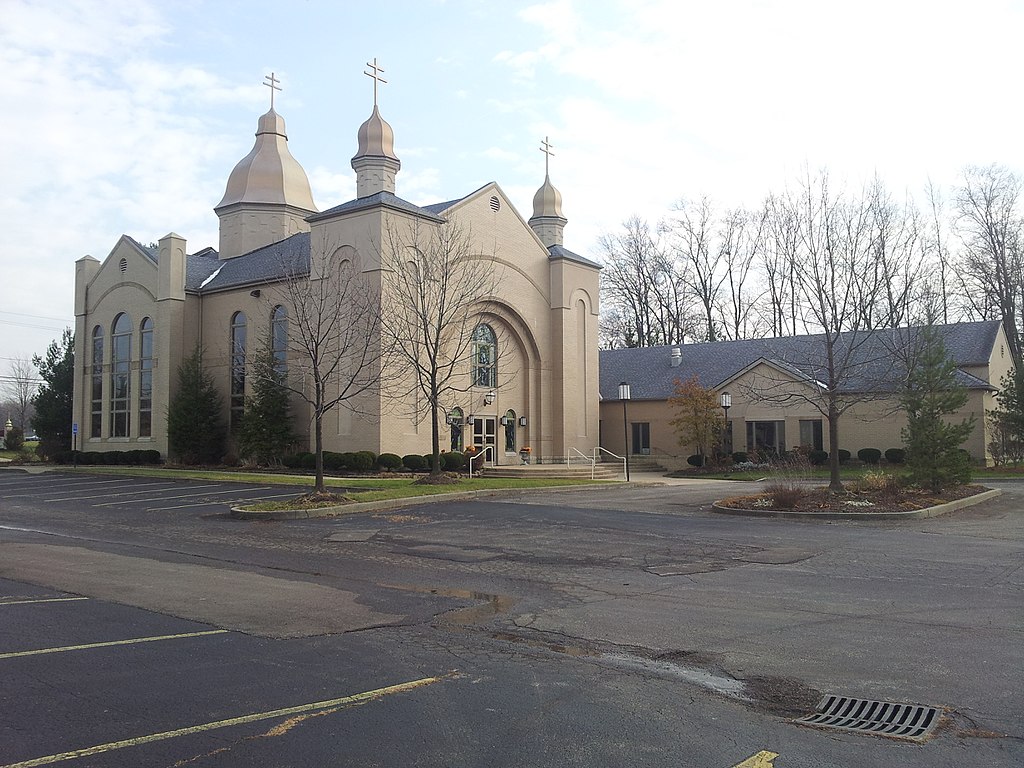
(195, 428)
(895, 455)
(363, 461)
(14, 439)
(817, 458)
(739, 457)
(844, 455)
(414, 462)
(453, 461)
(389, 461)
(307, 460)
(869, 455)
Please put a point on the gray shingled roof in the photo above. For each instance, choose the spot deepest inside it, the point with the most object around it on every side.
(651, 376)
(558, 252)
(371, 201)
(272, 262)
(438, 208)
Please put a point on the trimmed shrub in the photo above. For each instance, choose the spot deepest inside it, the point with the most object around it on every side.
(291, 461)
(363, 461)
(844, 456)
(895, 455)
(453, 461)
(739, 457)
(414, 462)
(333, 461)
(307, 460)
(389, 461)
(150, 456)
(697, 460)
(817, 458)
(869, 455)
(429, 459)
(113, 457)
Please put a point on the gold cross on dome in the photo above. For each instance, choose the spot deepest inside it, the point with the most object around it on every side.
(376, 77)
(272, 84)
(548, 154)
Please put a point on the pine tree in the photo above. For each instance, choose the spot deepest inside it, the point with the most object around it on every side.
(934, 457)
(1008, 420)
(265, 433)
(195, 422)
(53, 401)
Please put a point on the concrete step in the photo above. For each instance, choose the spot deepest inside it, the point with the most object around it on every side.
(555, 471)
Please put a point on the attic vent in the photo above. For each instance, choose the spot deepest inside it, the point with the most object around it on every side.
(123, 265)
(495, 203)
(677, 357)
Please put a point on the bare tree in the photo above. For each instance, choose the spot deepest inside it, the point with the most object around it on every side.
(840, 361)
(692, 230)
(435, 290)
(990, 226)
(937, 286)
(642, 290)
(779, 260)
(19, 386)
(333, 332)
(741, 242)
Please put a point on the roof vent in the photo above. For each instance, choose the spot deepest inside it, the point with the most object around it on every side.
(495, 203)
(677, 357)
(123, 266)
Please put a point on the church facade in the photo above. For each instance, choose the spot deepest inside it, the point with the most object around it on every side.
(142, 310)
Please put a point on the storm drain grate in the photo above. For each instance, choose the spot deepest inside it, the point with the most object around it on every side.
(882, 718)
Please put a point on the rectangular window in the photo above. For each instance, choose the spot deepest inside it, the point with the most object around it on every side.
(641, 438)
(146, 380)
(768, 438)
(96, 426)
(810, 434)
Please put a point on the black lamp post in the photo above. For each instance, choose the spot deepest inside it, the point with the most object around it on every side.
(624, 396)
(726, 405)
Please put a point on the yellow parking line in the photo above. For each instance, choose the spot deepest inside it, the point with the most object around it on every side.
(763, 759)
(42, 600)
(344, 701)
(132, 641)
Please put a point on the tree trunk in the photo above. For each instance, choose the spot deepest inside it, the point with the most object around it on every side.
(835, 485)
(318, 443)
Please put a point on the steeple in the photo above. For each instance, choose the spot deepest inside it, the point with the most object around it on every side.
(268, 196)
(547, 220)
(375, 162)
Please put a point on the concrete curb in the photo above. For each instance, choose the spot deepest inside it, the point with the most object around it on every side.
(915, 514)
(391, 504)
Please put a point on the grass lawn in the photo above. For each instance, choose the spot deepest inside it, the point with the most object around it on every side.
(845, 473)
(356, 488)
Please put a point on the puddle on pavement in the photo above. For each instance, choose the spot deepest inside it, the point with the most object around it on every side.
(492, 605)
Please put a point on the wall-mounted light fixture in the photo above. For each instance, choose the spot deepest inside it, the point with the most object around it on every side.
(470, 419)
(255, 293)
(489, 397)
(522, 421)
(504, 421)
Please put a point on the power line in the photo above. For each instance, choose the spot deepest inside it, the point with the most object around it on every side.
(34, 317)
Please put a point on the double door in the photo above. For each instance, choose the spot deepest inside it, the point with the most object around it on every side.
(485, 435)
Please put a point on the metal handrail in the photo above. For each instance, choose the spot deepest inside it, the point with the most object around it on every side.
(483, 453)
(593, 463)
(599, 448)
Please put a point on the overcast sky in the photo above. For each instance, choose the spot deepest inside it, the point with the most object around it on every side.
(126, 116)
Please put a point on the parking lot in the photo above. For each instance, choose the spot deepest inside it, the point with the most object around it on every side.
(141, 625)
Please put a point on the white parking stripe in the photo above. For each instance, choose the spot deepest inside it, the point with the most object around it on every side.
(189, 495)
(65, 488)
(226, 501)
(109, 495)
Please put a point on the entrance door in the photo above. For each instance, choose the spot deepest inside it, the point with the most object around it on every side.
(642, 438)
(485, 434)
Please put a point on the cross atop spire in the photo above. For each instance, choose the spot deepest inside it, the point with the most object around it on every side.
(376, 77)
(272, 84)
(548, 154)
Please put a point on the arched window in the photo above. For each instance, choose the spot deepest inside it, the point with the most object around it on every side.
(485, 357)
(510, 431)
(279, 337)
(456, 420)
(238, 342)
(96, 421)
(146, 378)
(120, 375)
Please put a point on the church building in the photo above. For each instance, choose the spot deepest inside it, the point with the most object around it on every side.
(143, 310)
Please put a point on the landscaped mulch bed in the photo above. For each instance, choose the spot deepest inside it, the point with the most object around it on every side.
(821, 500)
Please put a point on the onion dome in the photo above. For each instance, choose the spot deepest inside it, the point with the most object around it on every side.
(375, 162)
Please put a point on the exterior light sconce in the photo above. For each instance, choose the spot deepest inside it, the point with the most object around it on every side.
(489, 397)
(522, 421)
(726, 403)
(470, 419)
(505, 421)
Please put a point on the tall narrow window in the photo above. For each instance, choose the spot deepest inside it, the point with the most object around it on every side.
(279, 337)
(146, 378)
(96, 412)
(510, 432)
(120, 373)
(485, 357)
(238, 334)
